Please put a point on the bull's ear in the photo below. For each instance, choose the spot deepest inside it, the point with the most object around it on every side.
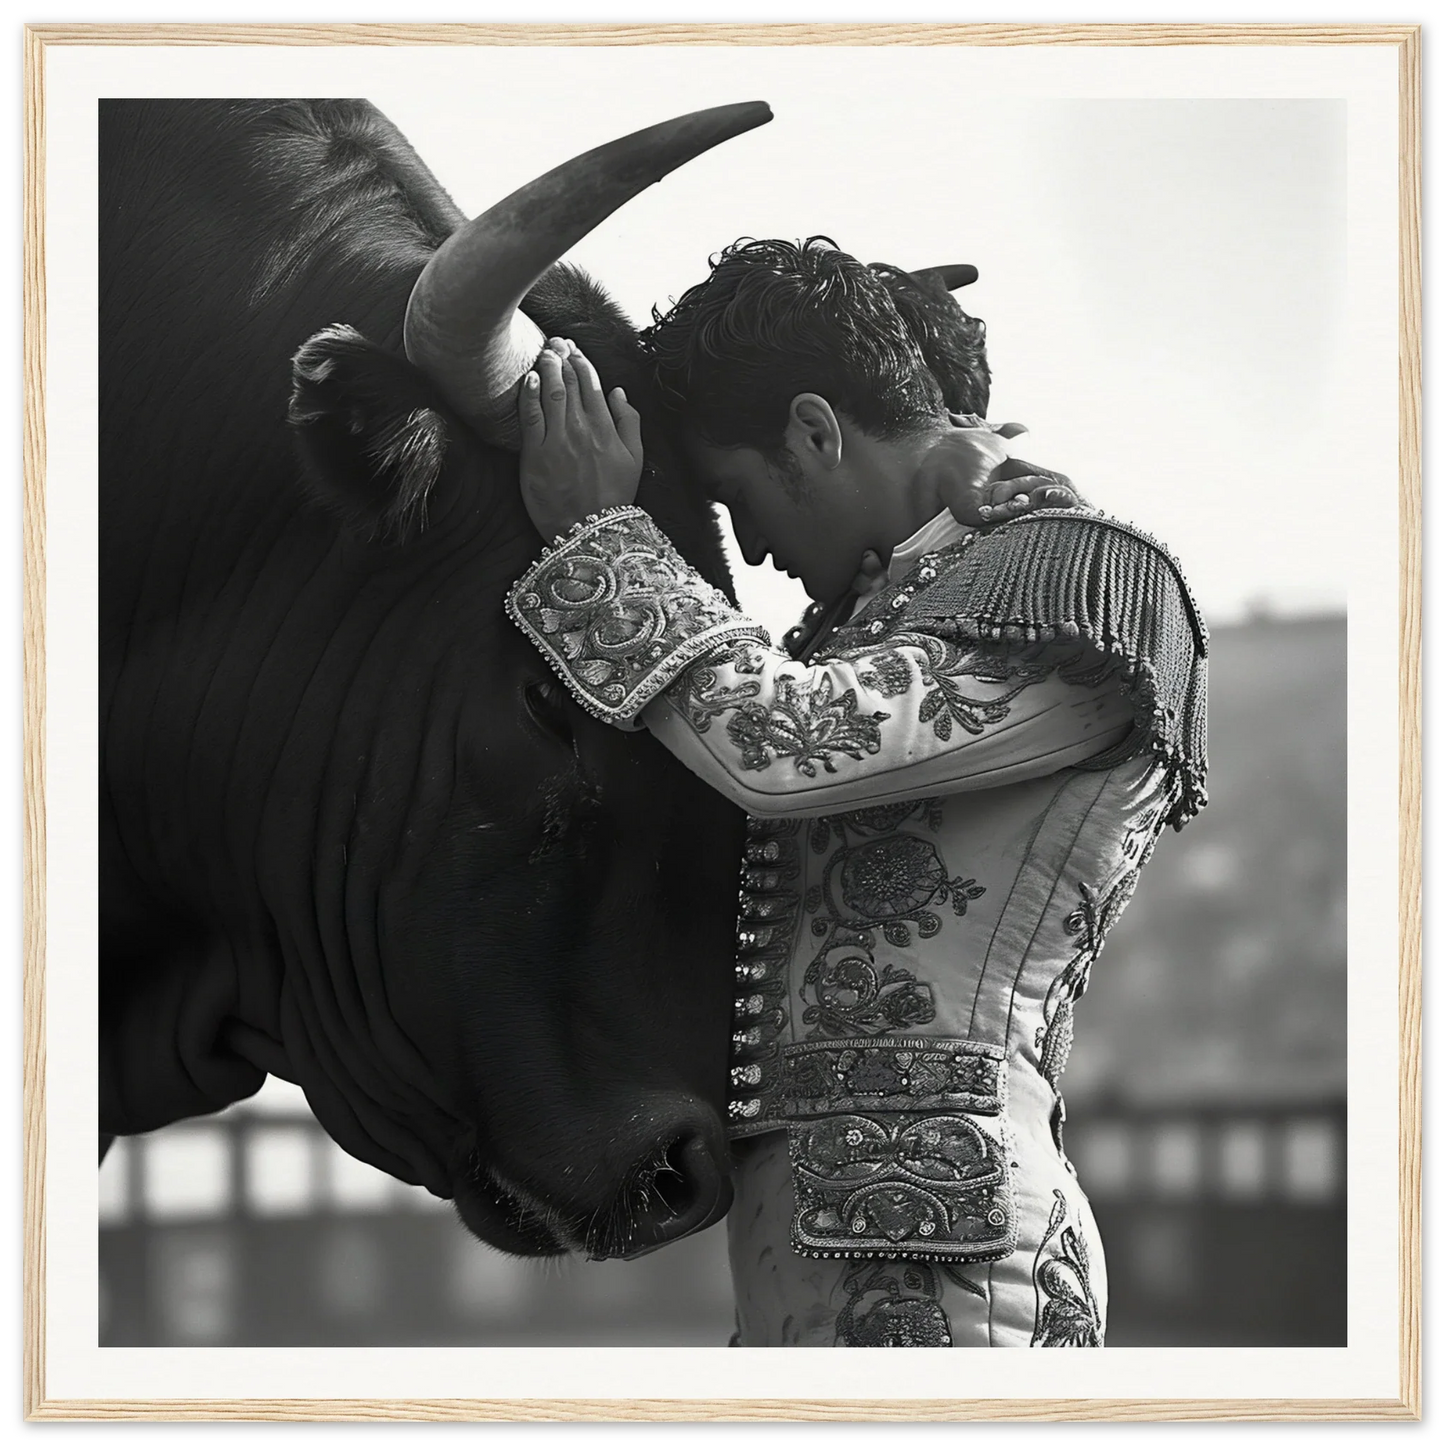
(372, 432)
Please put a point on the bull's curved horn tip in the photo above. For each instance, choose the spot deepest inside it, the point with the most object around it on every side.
(730, 120)
(759, 108)
(953, 277)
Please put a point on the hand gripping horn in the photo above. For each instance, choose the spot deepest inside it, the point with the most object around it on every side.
(462, 324)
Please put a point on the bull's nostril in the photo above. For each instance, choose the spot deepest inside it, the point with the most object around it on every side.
(689, 1190)
(674, 1183)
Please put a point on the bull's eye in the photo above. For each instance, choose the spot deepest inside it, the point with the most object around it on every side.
(548, 706)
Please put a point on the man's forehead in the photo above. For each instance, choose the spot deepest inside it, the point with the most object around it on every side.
(719, 469)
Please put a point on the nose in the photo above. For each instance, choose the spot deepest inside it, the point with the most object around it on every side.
(653, 1184)
(673, 1192)
(750, 543)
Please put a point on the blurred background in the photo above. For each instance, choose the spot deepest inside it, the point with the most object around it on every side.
(1206, 1099)
(1164, 282)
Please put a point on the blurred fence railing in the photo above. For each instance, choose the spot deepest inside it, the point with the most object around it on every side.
(1281, 1154)
(1221, 1226)
(252, 1227)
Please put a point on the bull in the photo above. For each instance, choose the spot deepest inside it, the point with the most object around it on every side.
(352, 834)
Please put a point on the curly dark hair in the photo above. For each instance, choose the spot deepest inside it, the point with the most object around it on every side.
(776, 318)
(951, 340)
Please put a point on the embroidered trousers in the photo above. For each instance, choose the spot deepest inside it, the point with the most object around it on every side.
(1051, 1291)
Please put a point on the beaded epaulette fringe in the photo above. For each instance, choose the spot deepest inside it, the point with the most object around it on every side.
(1070, 574)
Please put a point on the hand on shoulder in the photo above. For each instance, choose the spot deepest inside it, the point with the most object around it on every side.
(977, 479)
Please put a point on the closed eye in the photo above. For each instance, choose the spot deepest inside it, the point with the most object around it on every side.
(549, 707)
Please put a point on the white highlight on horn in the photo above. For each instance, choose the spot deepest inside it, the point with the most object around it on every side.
(494, 402)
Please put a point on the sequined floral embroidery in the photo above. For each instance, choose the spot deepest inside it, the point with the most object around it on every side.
(1090, 923)
(945, 665)
(905, 1184)
(702, 696)
(1055, 1037)
(881, 818)
(890, 1304)
(907, 1073)
(810, 725)
(886, 884)
(853, 995)
(1067, 1314)
(889, 673)
(893, 881)
(945, 668)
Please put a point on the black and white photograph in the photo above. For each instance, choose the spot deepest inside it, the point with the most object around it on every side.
(729, 714)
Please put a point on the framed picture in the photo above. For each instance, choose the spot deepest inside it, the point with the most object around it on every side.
(1196, 249)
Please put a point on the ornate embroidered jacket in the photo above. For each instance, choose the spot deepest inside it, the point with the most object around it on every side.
(951, 803)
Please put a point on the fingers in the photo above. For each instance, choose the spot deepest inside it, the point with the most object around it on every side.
(1053, 495)
(1017, 486)
(1039, 493)
(1007, 496)
(1005, 429)
(553, 388)
(529, 411)
(570, 382)
(1016, 469)
(1005, 507)
(568, 399)
(589, 387)
(629, 424)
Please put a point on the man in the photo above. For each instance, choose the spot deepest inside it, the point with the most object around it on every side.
(953, 787)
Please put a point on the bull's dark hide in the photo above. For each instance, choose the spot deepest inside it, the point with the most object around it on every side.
(351, 834)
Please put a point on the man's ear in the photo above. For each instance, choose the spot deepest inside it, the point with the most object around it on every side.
(372, 432)
(813, 432)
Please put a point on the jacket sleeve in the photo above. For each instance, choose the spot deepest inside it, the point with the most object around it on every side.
(639, 638)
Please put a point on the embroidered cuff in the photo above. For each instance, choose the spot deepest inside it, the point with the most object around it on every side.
(619, 614)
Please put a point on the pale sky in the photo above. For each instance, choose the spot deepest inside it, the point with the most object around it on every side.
(1163, 280)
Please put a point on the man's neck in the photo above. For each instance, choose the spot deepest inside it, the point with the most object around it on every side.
(908, 492)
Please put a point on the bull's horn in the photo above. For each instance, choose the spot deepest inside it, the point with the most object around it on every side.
(953, 277)
(462, 324)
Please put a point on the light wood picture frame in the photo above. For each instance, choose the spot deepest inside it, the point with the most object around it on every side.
(42, 1402)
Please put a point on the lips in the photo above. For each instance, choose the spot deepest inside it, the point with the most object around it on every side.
(499, 1219)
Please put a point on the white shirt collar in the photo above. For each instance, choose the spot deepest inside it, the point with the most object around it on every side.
(930, 537)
